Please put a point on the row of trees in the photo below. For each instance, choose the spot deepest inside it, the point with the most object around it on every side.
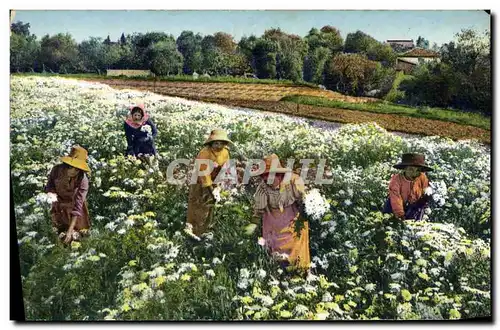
(274, 55)
(357, 65)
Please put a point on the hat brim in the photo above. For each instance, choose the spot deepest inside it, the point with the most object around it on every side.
(223, 140)
(77, 163)
(402, 166)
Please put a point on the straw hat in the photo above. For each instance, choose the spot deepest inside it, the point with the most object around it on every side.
(77, 158)
(218, 135)
(277, 168)
(413, 159)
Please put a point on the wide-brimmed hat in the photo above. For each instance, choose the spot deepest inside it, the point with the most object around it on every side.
(218, 135)
(273, 165)
(413, 159)
(77, 158)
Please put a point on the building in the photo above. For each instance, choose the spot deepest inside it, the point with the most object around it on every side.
(129, 73)
(408, 61)
(401, 44)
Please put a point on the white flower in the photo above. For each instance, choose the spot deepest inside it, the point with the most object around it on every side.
(428, 191)
(146, 128)
(242, 284)
(129, 222)
(370, 287)
(261, 273)
(261, 241)
(121, 231)
(315, 204)
(322, 316)
(216, 261)
(210, 273)
(266, 300)
(244, 273)
(300, 310)
(216, 194)
(327, 297)
(110, 226)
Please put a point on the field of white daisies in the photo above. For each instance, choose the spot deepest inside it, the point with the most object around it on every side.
(137, 264)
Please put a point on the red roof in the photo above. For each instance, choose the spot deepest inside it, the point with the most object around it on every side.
(420, 52)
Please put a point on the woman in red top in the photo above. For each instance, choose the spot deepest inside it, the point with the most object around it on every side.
(69, 183)
(406, 189)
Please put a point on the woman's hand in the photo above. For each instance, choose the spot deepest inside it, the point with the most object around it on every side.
(69, 233)
(69, 236)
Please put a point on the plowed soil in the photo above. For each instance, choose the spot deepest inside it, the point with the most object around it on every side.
(267, 97)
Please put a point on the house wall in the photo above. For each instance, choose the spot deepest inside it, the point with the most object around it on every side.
(129, 73)
(407, 68)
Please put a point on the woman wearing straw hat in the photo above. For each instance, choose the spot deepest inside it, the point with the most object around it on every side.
(68, 186)
(140, 132)
(278, 203)
(407, 199)
(201, 199)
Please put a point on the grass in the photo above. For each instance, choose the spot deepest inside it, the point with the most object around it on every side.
(455, 116)
(395, 94)
(187, 78)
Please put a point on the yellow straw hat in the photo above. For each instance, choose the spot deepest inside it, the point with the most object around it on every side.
(273, 159)
(218, 135)
(77, 158)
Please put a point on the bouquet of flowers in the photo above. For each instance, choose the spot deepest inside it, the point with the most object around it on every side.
(147, 129)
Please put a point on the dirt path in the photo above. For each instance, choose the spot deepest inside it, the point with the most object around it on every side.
(266, 97)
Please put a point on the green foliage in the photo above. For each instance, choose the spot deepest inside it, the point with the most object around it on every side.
(165, 58)
(189, 45)
(350, 73)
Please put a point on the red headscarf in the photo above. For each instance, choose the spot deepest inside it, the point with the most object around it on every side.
(131, 121)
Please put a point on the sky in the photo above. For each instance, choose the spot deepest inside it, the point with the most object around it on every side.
(438, 26)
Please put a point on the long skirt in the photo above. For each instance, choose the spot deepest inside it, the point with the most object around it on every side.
(61, 218)
(278, 230)
(200, 208)
(412, 211)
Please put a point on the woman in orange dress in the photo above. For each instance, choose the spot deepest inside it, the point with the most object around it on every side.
(406, 189)
(69, 183)
(278, 205)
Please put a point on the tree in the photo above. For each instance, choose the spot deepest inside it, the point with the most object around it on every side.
(123, 39)
(140, 45)
(289, 50)
(264, 54)
(351, 74)
(24, 52)
(314, 64)
(59, 53)
(470, 59)
(165, 58)
(20, 28)
(189, 44)
(224, 42)
(422, 43)
(107, 41)
(382, 53)
(359, 42)
(92, 54)
(323, 44)
(245, 47)
(328, 37)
